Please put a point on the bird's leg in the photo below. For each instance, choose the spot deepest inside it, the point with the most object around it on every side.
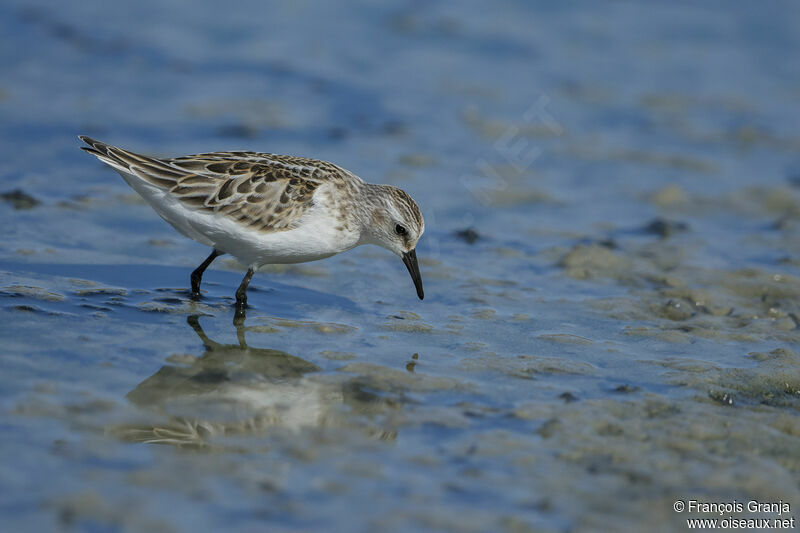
(239, 317)
(241, 292)
(194, 322)
(197, 275)
(238, 322)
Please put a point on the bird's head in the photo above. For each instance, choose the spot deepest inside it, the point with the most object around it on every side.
(396, 224)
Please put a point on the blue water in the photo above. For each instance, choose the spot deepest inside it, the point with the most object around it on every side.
(622, 333)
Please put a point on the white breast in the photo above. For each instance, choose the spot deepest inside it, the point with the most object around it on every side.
(315, 237)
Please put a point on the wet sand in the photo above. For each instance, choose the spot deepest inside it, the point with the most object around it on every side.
(612, 202)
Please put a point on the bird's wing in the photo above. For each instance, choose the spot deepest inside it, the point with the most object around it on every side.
(264, 192)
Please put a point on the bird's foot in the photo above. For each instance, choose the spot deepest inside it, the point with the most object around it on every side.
(195, 288)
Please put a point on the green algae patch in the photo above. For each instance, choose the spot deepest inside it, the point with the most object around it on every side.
(566, 338)
(528, 366)
(382, 378)
(593, 261)
(37, 293)
(320, 327)
(102, 291)
(337, 356)
(406, 322)
(775, 381)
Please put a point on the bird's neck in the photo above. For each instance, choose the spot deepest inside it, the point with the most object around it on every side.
(370, 211)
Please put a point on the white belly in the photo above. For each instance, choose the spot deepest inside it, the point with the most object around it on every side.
(314, 237)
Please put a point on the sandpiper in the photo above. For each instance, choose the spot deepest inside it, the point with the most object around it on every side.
(266, 209)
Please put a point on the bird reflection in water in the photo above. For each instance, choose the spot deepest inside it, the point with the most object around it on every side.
(235, 390)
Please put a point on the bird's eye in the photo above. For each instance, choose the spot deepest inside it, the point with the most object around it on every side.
(401, 230)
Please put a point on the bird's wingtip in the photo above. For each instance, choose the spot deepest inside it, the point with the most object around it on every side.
(94, 146)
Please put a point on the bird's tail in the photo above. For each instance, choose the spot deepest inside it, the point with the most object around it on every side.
(152, 170)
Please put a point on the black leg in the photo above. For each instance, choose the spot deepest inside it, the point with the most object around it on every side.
(194, 322)
(197, 275)
(239, 317)
(238, 323)
(241, 292)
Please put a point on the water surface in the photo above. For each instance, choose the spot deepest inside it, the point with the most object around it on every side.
(610, 263)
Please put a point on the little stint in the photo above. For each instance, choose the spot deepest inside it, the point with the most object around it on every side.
(266, 209)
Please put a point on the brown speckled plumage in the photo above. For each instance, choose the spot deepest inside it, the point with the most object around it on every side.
(264, 192)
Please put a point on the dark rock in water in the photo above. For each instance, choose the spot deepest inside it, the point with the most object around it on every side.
(470, 235)
(789, 260)
(665, 228)
(568, 397)
(19, 199)
(626, 389)
(784, 223)
(26, 309)
(609, 243)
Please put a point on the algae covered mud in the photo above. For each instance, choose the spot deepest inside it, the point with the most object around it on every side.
(609, 339)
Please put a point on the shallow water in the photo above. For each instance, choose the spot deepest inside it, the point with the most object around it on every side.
(612, 203)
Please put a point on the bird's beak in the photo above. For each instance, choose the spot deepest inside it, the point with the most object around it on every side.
(410, 259)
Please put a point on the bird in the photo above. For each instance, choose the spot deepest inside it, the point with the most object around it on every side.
(264, 208)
